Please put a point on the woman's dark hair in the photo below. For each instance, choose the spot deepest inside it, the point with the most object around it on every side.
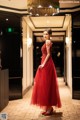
(49, 31)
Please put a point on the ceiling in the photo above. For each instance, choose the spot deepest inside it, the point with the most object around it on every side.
(58, 23)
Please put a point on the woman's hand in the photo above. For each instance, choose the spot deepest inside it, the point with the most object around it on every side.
(41, 66)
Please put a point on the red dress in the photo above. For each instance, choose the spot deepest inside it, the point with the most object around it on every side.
(45, 89)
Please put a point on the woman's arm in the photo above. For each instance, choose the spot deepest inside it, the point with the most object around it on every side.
(48, 44)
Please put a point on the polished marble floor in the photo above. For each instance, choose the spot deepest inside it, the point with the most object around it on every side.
(22, 110)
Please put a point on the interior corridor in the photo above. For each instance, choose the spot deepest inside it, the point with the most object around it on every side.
(22, 110)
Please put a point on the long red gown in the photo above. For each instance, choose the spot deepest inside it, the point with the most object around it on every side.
(45, 89)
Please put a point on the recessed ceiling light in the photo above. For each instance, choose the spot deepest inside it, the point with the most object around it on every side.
(39, 6)
(7, 19)
(48, 21)
(50, 6)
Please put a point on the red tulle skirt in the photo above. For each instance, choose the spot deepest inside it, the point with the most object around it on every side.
(45, 90)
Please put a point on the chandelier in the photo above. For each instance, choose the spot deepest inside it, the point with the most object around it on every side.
(42, 7)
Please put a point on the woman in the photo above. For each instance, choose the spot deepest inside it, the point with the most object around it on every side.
(45, 91)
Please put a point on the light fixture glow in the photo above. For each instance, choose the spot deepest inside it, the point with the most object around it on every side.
(67, 40)
(50, 6)
(42, 7)
(7, 19)
(29, 42)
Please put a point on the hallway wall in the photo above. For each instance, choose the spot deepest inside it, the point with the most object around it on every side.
(69, 55)
(27, 57)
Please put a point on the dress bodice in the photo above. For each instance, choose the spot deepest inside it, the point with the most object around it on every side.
(44, 50)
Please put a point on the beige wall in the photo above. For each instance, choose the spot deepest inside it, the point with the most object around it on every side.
(27, 57)
(69, 55)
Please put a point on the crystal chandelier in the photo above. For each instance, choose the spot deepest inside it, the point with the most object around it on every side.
(42, 7)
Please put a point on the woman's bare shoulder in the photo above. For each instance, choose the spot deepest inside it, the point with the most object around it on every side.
(48, 41)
